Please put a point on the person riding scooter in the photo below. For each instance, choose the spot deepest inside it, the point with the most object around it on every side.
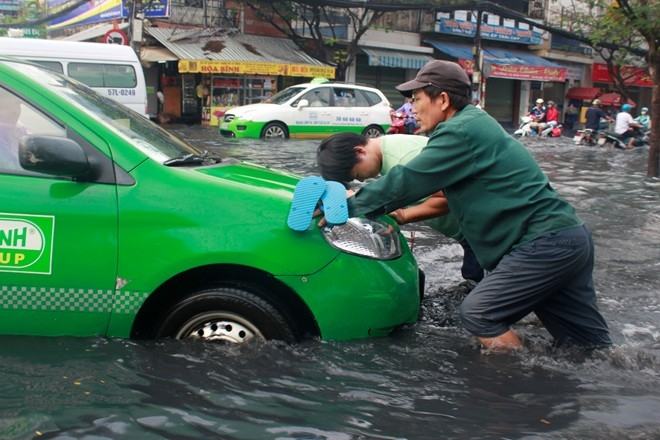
(626, 125)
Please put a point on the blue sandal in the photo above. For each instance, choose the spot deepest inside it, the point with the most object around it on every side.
(335, 207)
(305, 198)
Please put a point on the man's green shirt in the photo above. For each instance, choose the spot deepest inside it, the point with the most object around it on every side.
(399, 149)
(494, 187)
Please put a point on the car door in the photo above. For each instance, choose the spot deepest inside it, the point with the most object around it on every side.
(317, 118)
(58, 237)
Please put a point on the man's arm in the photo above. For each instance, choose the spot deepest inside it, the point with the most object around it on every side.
(434, 206)
(445, 160)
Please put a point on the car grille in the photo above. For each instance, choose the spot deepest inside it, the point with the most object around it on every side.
(228, 117)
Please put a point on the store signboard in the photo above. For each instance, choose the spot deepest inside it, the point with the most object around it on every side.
(99, 11)
(254, 68)
(310, 71)
(518, 71)
(451, 26)
(635, 76)
(536, 73)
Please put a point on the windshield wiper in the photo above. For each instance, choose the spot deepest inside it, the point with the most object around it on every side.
(192, 159)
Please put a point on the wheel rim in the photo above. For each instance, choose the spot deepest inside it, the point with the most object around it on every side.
(219, 326)
(372, 132)
(274, 131)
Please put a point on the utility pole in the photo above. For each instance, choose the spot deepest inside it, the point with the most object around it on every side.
(135, 22)
(478, 83)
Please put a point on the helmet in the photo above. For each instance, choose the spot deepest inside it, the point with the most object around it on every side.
(626, 107)
(596, 102)
(539, 101)
(644, 110)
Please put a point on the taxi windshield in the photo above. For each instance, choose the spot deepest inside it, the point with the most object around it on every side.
(155, 142)
(284, 95)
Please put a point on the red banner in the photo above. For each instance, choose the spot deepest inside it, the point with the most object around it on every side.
(533, 73)
(518, 71)
(634, 76)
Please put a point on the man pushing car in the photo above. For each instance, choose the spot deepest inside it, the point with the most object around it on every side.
(539, 254)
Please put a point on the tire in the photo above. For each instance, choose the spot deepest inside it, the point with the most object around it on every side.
(274, 130)
(373, 131)
(226, 314)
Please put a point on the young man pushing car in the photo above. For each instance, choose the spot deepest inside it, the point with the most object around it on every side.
(539, 254)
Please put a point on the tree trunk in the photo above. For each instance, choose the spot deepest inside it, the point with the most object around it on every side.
(654, 153)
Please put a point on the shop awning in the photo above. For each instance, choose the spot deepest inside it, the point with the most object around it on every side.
(614, 100)
(504, 63)
(396, 59)
(201, 51)
(156, 54)
(582, 93)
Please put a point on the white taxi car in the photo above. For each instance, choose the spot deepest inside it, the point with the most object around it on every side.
(312, 110)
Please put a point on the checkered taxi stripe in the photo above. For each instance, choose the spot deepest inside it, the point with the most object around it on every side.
(70, 300)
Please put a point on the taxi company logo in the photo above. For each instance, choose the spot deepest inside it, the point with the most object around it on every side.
(26, 243)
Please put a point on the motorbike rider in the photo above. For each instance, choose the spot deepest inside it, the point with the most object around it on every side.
(537, 113)
(594, 115)
(551, 119)
(410, 123)
(644, 118)
(626, 125)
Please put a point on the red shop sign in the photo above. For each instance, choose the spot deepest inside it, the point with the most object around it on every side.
(533, 73)
(635, 76)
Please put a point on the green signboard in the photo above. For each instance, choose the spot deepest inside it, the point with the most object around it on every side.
(26, 243)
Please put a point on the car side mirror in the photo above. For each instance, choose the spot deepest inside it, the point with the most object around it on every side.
(303, 103)
(54, 155)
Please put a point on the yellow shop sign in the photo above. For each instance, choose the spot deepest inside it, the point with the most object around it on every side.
(255, 68)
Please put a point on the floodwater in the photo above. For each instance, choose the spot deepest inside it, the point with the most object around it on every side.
(429, 381)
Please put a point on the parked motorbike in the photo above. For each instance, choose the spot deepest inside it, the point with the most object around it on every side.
(585, 137)
(398, 123)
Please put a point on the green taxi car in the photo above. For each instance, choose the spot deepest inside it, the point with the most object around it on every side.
(111, 226)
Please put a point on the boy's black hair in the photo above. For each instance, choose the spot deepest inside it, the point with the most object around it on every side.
(336, 156)
(458, 100)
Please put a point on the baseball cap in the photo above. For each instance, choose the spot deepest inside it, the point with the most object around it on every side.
(445, 75)
(539, 101)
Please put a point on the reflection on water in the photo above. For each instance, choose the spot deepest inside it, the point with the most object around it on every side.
(428, 381)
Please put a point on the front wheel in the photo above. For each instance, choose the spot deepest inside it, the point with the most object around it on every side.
(274, 130)
(229, 315)
(373, 131)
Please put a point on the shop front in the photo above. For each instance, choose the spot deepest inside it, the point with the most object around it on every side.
(513, 77)
(639, 83)
(384, 69)
(214, 74)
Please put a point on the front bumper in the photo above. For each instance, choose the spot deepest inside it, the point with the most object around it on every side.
(357, 297)
(241, 128)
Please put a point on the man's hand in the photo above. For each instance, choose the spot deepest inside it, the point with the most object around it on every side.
(399, 215)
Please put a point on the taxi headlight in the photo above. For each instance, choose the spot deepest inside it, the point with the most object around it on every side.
(367, 238)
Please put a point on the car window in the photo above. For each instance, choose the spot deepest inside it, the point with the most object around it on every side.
(344, 97)
(361, 99)
(319, 97)
(18, 119)
(55, 66)
(284, 95)
(103, 75)
(372, 97)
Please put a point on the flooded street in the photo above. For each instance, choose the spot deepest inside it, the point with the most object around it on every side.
(428, 381)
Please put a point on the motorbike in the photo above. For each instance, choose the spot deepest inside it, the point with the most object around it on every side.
(611, 139)
(524, 129)
(398, 123)
(585, 137)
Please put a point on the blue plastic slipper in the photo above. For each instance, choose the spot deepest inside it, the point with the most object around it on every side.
(335, 207)
(305, 198)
